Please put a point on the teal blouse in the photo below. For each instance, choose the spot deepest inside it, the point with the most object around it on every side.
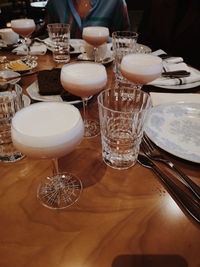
(108, 13)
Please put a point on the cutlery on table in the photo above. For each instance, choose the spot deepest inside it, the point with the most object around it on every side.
(191, 205)
(153, 153)
(176, 74)
(7, 79)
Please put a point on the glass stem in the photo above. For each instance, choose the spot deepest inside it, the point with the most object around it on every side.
(55, 168)
(96, 54)
(85, 102)
(26, 40)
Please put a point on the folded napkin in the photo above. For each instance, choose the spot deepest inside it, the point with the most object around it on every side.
(194, 75)
(161, 98)
(169, 59)
(36, 49)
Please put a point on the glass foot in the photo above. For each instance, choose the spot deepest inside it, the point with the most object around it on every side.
(92, 128)
(59, 191)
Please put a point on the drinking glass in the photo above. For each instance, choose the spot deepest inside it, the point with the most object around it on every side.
(10, 102)
(59, 34)
(85, 79)
(50, 130)
(141, 69)
(122, 112)
(24, 27)
(123, 43)
(95, 36)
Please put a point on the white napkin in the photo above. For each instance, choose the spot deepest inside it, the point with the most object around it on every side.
(161, 98)
(167, 60)
(36, 49)
(194, 75)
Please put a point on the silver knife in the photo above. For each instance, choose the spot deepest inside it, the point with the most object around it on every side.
(190, 205)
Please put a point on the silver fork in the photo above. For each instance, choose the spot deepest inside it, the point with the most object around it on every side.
(152, 152)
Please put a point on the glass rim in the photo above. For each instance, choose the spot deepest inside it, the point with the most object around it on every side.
(57, 25)
(125, 34)
(124, 87)
(82, 62)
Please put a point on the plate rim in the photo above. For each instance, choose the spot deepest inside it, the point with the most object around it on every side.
(15, 73)
(32, 65)
(156, 141)
(59, 98)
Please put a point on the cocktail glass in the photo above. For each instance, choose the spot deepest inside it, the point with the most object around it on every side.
(24, 27)
(96, 36)
(85, 79)
(141, 69)
(50, 130)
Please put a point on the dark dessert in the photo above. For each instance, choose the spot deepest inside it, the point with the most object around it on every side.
(49, 84)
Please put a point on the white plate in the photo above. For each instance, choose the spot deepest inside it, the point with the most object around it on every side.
(182, 86)
(106, 60)
(9, 73)
(30, 63)
(175, 127)
(33, 92)
(77, 44)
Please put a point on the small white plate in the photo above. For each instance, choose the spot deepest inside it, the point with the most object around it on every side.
(175, 127)
(106, 60)
(33, 92)
(9, 73)
(31, 64)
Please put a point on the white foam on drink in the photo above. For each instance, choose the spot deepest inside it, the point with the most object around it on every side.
(84, 74)
(96, 31)
(46, 124)
(22, 23)
(141, 64)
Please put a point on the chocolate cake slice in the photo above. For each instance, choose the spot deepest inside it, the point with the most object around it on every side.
(49, 84)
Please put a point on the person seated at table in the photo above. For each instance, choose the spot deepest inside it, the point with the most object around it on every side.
(174, 27)
(81, 13)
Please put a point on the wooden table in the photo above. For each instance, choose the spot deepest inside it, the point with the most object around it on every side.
(123, 218)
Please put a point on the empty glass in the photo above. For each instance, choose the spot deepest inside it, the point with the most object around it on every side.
(10, 103)
(122, 113)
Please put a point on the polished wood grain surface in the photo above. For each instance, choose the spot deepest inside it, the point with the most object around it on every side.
(123, 219)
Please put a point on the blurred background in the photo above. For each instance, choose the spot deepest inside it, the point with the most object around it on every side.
(11, 9)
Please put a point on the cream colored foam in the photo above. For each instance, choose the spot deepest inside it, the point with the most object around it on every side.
(46, 124)
(141, 64)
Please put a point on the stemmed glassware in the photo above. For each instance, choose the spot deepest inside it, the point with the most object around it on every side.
(24, 27)
(141, 69)
(85, 79)
(50, 130)
(96, 36)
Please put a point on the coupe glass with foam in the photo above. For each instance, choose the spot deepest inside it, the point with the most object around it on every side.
(141, 69)
(24, 27)
(50, 130)
(96, 36)
(85, 79)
